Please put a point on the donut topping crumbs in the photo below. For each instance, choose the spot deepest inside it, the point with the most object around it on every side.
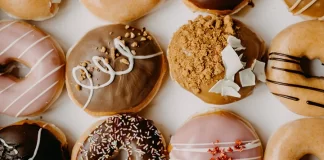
(220, 154)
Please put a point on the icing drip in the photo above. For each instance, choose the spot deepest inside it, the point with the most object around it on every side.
(307, 6)
(125, 51)
(37, 144)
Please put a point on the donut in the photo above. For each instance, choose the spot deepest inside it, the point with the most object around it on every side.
(218, 7)
(307, 8)
(216, 135)
(302, 137)
(300, 92)
(120, 11)
(33, 140)
(30, 10)
(121, 137)
(115, 69)
(196, 58)
(32, 93)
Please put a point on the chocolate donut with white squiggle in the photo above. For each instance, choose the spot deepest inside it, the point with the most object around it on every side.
(33, 92)
(114, 69)
(124, 137)
(307, 8)
(32, 140)
(216, 135)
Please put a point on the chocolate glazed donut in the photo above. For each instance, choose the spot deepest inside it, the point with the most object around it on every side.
(32, 140)
(220, 7)
(123, 81)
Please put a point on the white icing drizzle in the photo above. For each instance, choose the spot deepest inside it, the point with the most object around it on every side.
(8, 25)
(307, 6)
(32, 45)
(6, 145)
(31, 87)
(32, 101)
(125, 51)
(248, 146)
(211, 144)
(38, 142)
(7, 87)
(14, 42)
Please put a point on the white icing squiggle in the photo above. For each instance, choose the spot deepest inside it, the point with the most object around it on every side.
(38, 142)
(6, 145)
(32, 45)
(125, 51)
(307, 6)
(15, 41)
(8, 25)
(209, 144)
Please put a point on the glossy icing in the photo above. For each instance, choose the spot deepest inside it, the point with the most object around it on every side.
(202, 134)
(311, 8)
(26, 44)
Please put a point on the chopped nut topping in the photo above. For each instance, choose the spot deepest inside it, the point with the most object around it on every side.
(127, 35)
(106, 60)
(133, 52)
(149, 38)
(112, 52)
(143, 39)
(83, 64)
(119, 37)
(103, 49)
(127, 27)
(132, 35)
(78, 87)
(125, 61)
(117, 55)
(143, 29)
(134, 44)
(110, 33)
(139, 34)
(145, 33)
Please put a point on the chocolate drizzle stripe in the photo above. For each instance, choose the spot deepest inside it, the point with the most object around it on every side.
(284, 60)
(295, 85)
(285, 55)
(293, 71)
(315, 104)
(286, 96)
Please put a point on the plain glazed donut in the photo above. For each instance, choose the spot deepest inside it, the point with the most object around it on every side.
(307, 8)
(218, 7)
(24, 43)
(115, 69)
(37, 10)
(121, 137)
(120, 11)
(32, 140)
(286, 80)
(297, 139)
(216, 135)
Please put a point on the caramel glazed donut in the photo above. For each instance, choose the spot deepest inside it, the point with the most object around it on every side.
(31, 9)
(307, 8)
(121, 137)
(202, 59)
(216, 135)
(114, 69)
(301, 93)
(24, 47)
(297, 139)
(32, 140)
(218, 7)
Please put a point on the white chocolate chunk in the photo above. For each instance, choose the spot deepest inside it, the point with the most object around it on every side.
(217, 88)
(259, 71)
(235, 43)
(247, 78)
(229, 91)
(231, 62)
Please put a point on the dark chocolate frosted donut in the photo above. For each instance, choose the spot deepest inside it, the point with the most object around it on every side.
(125, 66)
(121, 137)
(31, 141)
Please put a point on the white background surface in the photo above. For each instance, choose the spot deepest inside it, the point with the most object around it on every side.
(173, 105)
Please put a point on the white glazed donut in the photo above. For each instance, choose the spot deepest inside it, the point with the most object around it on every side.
(22, 42)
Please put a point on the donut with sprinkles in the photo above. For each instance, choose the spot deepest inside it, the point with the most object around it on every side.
(121, 137)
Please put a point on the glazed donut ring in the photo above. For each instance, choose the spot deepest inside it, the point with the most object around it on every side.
(106, 139)
(297, 139)
(285, 77)
(26, 44)
(120, 11)
(307, 8)
(37, 10)
(33, 140)
(217, 134)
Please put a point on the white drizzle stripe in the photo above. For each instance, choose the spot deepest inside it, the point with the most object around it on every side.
(32, 45)
(205, 150)
(124, 50)
(47, 75)
(38, 143)
(252, 158)
(8, 25)
(39, 61)
(32, 101)
(295, 5)
(14, 42)
(208, 144)
(6, 145)
(306, 7)
(7, 87)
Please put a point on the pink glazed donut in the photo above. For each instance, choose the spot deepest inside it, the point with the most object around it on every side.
(32, 94)
(217, 135)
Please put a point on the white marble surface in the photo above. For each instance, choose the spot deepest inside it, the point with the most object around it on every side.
(173, 105)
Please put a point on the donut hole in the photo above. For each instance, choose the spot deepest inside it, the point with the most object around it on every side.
(14, 69)
(309, 157)
(312, 68)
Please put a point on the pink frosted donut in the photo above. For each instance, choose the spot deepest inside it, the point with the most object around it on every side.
(43, 83)
(216, 135)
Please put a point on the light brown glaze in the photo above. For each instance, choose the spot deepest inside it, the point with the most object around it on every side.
(314, 11)
(127, 93)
